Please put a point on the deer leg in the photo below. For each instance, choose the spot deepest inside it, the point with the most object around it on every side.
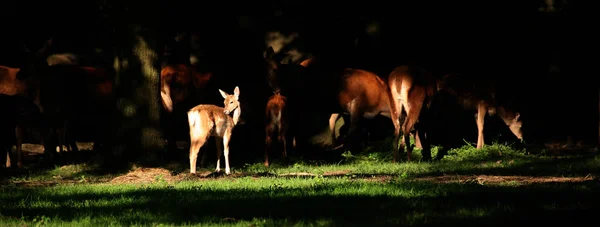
(60, 135)
(425, 146)
(334, 117)
(220, 142)
(399, 142)
(282, 139)
(71, 140)
(7, 163)
(196, 143)
(267, 146)
(412, 115)
(355, 120)
(480, 121)
(226, 138)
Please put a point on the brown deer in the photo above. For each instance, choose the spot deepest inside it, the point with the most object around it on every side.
(364, 95)
(413, 89)
(210, 120)
(276, 124)
(26, 82)
(180, 85)
(481, 96)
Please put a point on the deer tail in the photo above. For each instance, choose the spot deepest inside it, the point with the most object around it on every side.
(193, 118)
(276, 118)
(393, 108)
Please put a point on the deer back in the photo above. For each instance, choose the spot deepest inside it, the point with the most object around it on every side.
(209, 119)
(365, 86)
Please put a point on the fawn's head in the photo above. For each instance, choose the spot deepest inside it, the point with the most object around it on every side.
(231, 102)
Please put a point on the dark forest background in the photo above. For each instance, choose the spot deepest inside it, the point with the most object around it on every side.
(542, 57)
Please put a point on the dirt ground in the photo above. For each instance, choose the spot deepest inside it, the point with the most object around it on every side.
(153, 175)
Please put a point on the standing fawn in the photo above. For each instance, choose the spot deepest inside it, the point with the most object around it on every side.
(210, 120)
(276, 123)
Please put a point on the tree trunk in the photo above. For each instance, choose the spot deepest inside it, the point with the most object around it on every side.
(136, 131)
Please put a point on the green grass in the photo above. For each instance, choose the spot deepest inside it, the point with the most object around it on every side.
(362, 190)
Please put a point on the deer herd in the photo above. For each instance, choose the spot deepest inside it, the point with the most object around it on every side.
(405, 98)
(409, 93)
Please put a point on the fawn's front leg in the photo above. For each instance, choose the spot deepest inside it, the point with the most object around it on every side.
(226, 139)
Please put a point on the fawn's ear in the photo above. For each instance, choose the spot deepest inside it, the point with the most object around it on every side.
(236, 92)
(224, 94)
(517, 116)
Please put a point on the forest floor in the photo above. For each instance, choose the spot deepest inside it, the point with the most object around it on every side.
(495, 186)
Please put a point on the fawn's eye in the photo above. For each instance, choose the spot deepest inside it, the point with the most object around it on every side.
(231, 102)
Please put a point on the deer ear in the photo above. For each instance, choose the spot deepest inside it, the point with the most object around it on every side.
(224, 94)
(269, 53)
(236, 92)
(517, 116)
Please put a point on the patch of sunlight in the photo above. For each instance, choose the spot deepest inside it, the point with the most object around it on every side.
(147, 58)
(69, 170)
(62, 59)
(193, 59)
(120, 64)
(278, 40)
(127, 107)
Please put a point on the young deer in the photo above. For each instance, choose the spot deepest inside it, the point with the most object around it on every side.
(481, 96)
(210, 120)
(412, 90)
(276, 123)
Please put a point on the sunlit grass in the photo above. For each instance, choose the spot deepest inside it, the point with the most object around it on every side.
(359, 189)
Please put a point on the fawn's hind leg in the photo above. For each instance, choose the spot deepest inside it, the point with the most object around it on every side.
(196, 143)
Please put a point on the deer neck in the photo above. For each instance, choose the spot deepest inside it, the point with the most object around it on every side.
(236, 115)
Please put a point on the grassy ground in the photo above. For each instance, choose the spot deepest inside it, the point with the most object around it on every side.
(469, 187)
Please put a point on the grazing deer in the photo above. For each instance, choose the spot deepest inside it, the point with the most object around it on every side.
(481, 97)
(276, 123)
(412, 90)
(210, 120)
(364, 95)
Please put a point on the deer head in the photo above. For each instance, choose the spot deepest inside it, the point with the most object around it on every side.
(232, 103)
(515, 126)
(272, 68)
(36, 61)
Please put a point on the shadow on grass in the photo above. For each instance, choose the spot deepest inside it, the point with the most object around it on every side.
(340, 203)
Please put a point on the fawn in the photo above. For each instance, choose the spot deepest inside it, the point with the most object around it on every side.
(211, 120)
